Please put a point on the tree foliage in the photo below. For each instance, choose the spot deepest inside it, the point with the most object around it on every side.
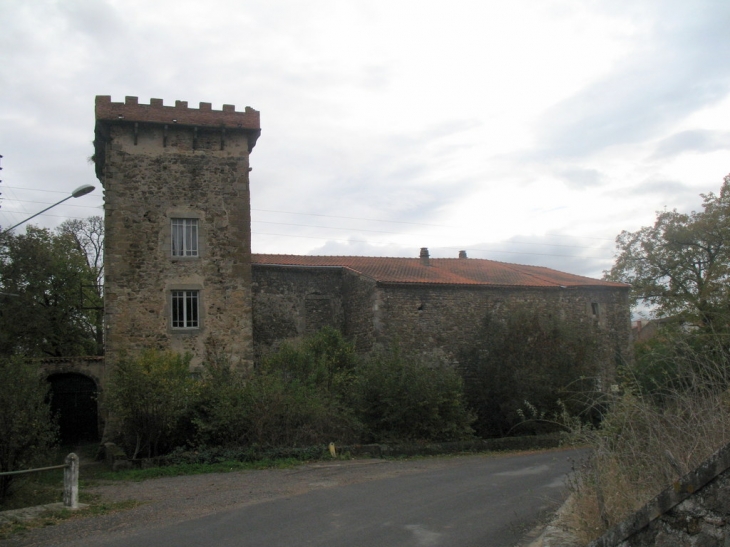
(42, 275)
(680, 266)
(298, 396)
(404, 398)
(150, 397)
(533, 359)
(27, 430)
(316, 391)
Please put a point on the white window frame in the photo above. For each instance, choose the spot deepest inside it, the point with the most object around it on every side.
(185, 309)
(184, 237)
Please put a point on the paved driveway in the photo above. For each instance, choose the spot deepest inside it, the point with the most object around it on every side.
(486, 501)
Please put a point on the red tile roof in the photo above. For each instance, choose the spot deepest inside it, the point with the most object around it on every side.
(441, 271)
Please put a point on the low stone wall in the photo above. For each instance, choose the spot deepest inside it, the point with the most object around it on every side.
(693, 512)
(536, 442)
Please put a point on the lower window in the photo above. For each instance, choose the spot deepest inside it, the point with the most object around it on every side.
(185, 309)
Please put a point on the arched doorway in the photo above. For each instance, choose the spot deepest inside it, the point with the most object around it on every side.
(74, 401)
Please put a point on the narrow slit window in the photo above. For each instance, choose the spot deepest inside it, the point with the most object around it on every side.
(185, 309)
(595, 309)
(184, 237)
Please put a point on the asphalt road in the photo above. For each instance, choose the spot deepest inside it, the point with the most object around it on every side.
(485, 502)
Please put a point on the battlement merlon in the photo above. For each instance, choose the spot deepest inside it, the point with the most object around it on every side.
(155, 112)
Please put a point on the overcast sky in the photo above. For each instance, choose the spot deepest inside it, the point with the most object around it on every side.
(525, 131)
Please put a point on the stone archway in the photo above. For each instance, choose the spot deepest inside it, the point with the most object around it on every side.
(74, 400)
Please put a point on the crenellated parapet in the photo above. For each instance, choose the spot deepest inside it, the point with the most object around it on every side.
(180, 114)
(175, 128)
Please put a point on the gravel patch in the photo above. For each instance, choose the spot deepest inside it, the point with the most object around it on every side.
(170, 500)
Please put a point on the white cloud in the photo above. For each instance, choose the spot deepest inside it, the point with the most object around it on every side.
(495, 125)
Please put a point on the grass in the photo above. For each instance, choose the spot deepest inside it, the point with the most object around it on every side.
(51, 518)
(180, 469)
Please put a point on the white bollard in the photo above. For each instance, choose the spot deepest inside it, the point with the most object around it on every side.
(71, 482)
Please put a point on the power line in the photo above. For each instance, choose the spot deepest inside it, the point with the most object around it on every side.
(351, 229)
(47, 203)
(353, 218)
(344, 217)
(341, 240)
(419, 235)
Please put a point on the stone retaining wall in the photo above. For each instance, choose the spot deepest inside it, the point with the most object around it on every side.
(693, 512)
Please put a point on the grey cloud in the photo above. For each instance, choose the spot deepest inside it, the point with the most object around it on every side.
(580, 256)
(685, 65)
(692, 141)
(94, 18)
(579, 178)
(660, 193)
(362, 248)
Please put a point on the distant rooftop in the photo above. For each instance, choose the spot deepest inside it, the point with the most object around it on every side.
(440, 271)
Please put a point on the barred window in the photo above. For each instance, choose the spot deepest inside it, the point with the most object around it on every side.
(185, 313)
(184, 237)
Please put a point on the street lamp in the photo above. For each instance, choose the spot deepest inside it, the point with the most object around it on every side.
(80, 191)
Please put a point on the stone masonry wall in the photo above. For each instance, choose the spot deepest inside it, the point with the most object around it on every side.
(360, 306)
(447, 318)
(290, 302)
(152, 173)
(421, 318)
(693, 512)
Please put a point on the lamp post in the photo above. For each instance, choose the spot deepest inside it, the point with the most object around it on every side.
(80, 191)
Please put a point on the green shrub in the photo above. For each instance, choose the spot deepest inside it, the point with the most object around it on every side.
(299, 396)
(283, 412)
(27, 430)
(324, 360)
(150, 399)
(401, 398)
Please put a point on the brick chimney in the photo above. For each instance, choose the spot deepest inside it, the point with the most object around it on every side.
(462, 254)
(424, 256)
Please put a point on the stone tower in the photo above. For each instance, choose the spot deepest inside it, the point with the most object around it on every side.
(177, 253)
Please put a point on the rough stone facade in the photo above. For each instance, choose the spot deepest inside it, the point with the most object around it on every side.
(421, 317)
(693, 512)
(159, 163)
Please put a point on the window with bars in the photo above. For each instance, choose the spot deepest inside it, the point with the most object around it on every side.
(185, 309)
(184, 237)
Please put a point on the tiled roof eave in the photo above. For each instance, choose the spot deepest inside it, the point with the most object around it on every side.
(315, 267)
(498, 285)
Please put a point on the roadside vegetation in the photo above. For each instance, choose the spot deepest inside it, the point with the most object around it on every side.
(672, 408)
(306, 394)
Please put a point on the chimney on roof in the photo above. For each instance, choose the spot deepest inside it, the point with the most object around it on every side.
(424, 256)
(462, 254)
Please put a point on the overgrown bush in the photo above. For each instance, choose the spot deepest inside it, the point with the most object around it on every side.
(298, 396)
(27, 429)
(403, 398)
(672, 414)
(150, 399)
(530, 358)
(316, 391)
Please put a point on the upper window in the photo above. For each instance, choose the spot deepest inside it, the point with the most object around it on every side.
(185, 309)
(184, 237)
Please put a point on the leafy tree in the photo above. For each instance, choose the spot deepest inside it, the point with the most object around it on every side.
(41, 278)
(406, 398)
(88, 235)
(680, 266)
(150, 397)
(27, 430)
